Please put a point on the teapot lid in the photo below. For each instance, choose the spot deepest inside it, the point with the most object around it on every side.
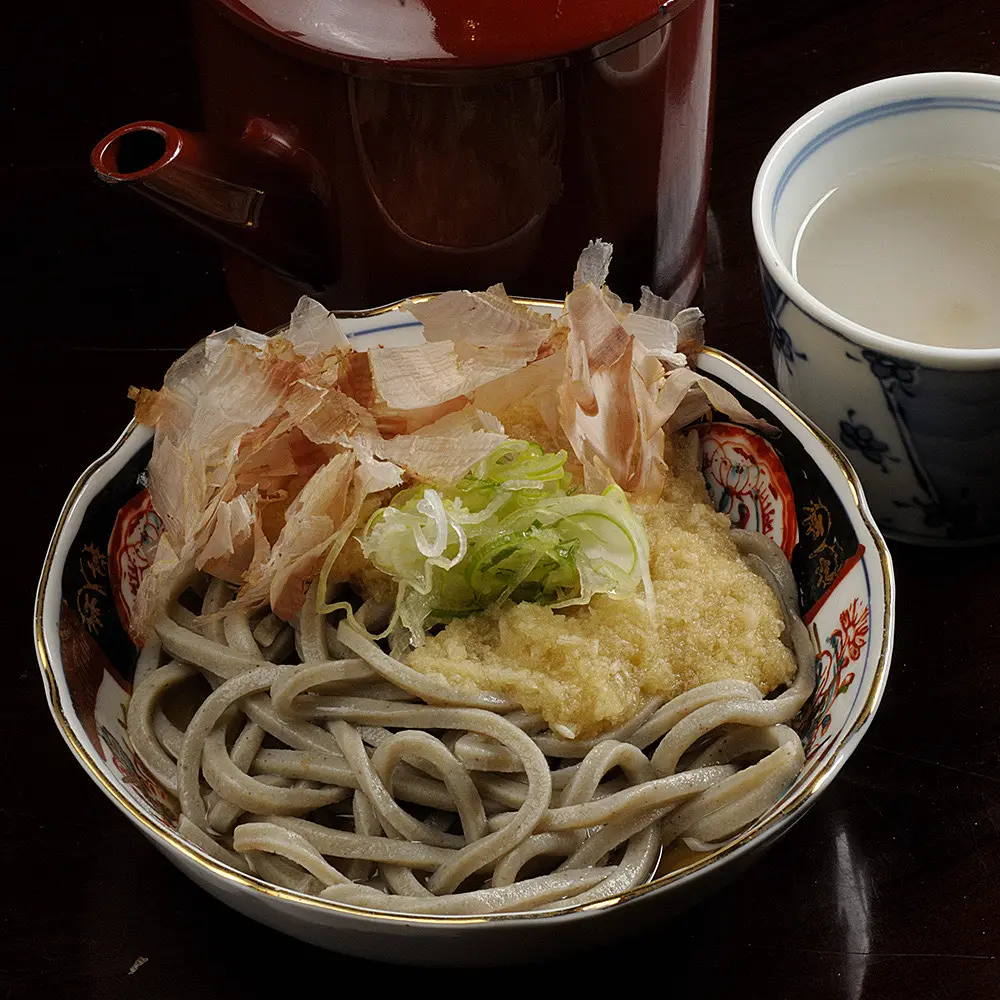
(452, 33)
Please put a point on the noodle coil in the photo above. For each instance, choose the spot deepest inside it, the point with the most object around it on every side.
(351, 776)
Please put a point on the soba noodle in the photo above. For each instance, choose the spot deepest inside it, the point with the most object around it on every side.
(351, 776)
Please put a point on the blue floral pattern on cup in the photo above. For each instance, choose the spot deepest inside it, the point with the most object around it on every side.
(775, 300)
(860, 437)
(909, 422)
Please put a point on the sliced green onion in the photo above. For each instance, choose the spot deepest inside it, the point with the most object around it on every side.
(511, 530)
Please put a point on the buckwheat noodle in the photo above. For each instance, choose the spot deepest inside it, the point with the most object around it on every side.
(351, 776)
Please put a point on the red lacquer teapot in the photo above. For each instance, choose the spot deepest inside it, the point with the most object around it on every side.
(365, 150)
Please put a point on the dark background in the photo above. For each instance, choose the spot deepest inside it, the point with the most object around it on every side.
(889, 888)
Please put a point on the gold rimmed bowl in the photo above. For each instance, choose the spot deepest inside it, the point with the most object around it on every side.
(794, 486)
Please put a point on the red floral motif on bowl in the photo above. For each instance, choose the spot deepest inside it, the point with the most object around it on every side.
(747, 481)
(131, 550)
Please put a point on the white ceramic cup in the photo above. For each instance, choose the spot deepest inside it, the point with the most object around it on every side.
(921, 424)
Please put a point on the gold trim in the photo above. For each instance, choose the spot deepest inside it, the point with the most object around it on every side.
(787, 812)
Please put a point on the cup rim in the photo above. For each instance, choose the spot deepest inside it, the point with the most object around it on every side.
(793, 139)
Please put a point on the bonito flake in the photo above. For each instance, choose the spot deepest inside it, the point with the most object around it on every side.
(268, 449)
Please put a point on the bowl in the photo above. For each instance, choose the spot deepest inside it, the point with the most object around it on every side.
(795, 487)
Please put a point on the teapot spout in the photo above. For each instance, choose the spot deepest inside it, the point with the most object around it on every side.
(256, 194)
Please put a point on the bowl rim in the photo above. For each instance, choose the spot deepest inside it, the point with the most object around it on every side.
(769, 828)
(830, 115)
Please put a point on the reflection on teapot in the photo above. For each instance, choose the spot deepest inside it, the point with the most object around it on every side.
(461, 167)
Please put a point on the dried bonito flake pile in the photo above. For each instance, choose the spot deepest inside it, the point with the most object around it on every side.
(268, 450)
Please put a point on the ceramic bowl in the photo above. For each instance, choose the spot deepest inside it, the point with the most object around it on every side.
(794, 486)
(921, 423)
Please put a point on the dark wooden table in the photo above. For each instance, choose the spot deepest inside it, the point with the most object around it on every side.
(890, 888)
